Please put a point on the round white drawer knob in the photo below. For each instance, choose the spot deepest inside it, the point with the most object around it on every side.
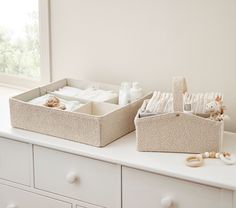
(11, 206)
(71, 177)
(166, 202)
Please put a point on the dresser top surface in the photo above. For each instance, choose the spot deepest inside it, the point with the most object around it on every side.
(123, 152)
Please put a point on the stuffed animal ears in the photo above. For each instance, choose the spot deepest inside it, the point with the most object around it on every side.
(218, 98)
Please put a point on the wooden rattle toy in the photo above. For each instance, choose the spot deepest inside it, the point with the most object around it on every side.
(198, 160)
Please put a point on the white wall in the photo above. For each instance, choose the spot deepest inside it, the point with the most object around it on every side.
(148, 41)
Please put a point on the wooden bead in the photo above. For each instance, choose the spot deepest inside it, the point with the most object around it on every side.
(206, 154)
(212, 154)
(226, 154)
(217, 155)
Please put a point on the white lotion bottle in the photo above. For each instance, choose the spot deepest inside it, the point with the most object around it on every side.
(124, 93)
(136, 92)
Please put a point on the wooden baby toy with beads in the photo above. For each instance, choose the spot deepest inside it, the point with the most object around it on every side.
(197, 160)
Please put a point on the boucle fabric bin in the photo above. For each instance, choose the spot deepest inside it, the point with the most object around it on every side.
(108, 123)
(178, 131)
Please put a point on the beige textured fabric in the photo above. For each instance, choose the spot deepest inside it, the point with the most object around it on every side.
(72, 126)
(179, 87)
(81, 126)
(178, 132)
(182, 133)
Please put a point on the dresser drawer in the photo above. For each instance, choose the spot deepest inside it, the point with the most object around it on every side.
(15, 161)
(143, 189)
(81, 178)
(15, 198)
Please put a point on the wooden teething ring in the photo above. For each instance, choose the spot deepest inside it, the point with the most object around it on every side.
(197, 160)
(194, 161)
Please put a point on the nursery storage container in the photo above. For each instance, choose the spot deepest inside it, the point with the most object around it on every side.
(178, 131)
(96, 124)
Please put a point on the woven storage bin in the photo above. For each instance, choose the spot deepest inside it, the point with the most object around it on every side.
(178, 131)
(96, 124)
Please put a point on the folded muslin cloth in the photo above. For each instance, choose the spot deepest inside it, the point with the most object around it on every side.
(70, 105)
(90, 94)
(199, 101)
(68, 91)
(163, 102)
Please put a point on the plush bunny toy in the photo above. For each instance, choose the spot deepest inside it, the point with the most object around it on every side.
(216, 109)
(54, 102)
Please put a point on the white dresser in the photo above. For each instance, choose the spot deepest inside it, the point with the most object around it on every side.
(39, 171)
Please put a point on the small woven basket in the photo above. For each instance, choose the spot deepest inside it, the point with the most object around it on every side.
(178, 131)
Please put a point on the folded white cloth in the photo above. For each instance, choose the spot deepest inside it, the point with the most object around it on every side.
(90, 94)
(163, 102)
(68, 91)
(199, 101)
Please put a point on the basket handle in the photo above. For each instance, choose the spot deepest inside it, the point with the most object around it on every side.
(179, 87)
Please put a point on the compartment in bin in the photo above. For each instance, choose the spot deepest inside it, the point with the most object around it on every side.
(97, 108)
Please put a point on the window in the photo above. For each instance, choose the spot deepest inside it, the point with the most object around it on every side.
(24, 32)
